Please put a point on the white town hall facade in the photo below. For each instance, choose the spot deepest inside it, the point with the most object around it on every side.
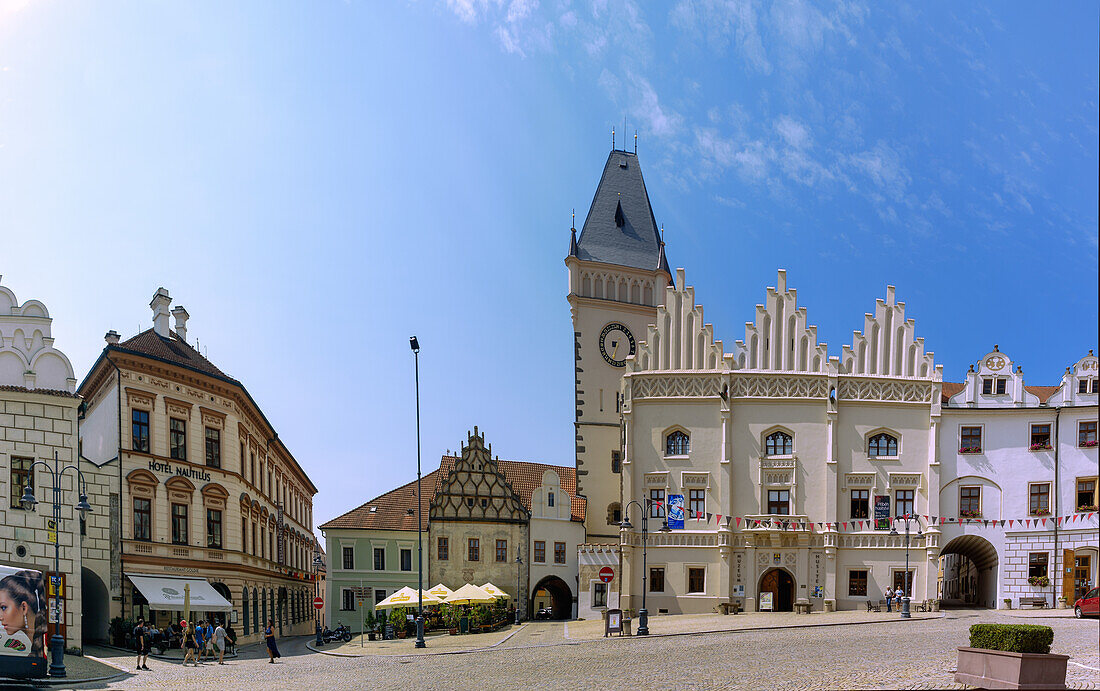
(789, 467)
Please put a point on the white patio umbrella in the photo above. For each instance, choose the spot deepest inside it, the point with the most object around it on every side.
(406, 597)
(469, 595)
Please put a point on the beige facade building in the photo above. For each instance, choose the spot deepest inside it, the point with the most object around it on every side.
(39, 415)
(201, 490)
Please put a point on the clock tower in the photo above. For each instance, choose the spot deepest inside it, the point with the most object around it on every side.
(617, 274)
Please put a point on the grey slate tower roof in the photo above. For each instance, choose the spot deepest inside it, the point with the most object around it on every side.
(620, 228)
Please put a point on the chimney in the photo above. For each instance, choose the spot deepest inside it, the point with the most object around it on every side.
(181, 321)
(111, 337)
(159, 304)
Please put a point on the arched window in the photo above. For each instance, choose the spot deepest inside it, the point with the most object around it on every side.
(677, 444)
(244, 600)
(778, 444)
(549, 498)
(882, 445)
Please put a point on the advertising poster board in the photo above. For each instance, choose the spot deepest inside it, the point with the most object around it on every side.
(882, 512)
(22, 623)
(676, 511)
(766, 603)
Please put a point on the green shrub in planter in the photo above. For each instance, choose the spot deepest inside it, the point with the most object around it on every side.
(1013, 638)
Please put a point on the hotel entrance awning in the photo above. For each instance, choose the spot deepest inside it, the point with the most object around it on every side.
(166, 592)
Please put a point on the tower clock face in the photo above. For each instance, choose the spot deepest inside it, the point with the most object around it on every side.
(616, 344)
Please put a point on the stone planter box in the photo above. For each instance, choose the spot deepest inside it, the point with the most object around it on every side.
(998, 669)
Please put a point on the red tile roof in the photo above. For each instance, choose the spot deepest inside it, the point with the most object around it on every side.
(391, 510)
(951, 388)
(174, 350)
(45, 392)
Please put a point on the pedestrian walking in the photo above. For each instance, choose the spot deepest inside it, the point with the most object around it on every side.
(190, 644)
(207, 639)
(899, 593)
(141, 640)
(269, 635)
(220, 637)
(889, 595)
(200, 641)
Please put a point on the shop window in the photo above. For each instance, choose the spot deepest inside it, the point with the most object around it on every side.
(1039, 499)
(177, 439)
(857, 582)
(882, 445)
(697, 502)
(1086, 433)
(406, 557)
(1086, 494)
(697, 580)
(657, 579)
(502, 551)
(779, 502)
(970, 439)
(1040, 436)
(179, 524)
(379, 558)
(677, 444)
(861, 503)
(1037, 565)
(213, 447)
(443, 549)
(143, 519)
(656, 503)
(559, 552)
(473, 549)
(903, 503)
(599, 595)
(21, 478)
(214, 528)
(970, 502)
(539, 555)
(778, 444)
(139, 435)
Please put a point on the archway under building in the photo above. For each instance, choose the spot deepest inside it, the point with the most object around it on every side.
(95, 607)
(780, 584)
(553, 592)
(968, 573)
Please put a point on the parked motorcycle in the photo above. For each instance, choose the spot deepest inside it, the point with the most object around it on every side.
(340, 633)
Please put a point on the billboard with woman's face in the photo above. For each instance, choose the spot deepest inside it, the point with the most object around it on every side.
(22, 623)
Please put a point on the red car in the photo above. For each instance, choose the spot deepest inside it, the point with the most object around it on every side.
(1089, 605)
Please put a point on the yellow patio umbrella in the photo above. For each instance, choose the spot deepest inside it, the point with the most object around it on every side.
(469, 595)
(406, 597)
(441, 591)
(495, 591)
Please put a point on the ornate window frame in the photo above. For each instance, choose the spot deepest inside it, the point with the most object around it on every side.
(665, 438)
(876, 432)
(777, 429)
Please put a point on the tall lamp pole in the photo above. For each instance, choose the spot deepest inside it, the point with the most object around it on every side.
(643, 613)
(415, 345)
(908, 577)
(57, 641)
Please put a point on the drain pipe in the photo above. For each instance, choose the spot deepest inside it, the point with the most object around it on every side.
(1057, 494)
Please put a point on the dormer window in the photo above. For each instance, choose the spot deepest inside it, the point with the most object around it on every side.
(1086, 385)
(778, 444)
(677, 444)
(882, 445)
(994, 386)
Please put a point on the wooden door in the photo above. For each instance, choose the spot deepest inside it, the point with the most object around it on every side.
(1081, 572)
(1067, 575)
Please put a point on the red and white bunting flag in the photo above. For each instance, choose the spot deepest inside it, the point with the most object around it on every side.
(844, 524)
(1044, 522)
(738, 519)
(1010, 522)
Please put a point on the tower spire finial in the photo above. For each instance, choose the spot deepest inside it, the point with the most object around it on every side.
(635, 142)
(573, 221)
(612, 137)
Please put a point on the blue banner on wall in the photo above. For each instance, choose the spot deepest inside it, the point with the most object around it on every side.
(676, 511)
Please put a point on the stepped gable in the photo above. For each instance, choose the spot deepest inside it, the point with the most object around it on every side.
(525, 477)
(620, 227)
(887, 345)
(475, 489)
(394, 510)
(680, 340)
(780, 339)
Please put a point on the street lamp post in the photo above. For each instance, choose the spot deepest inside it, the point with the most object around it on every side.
(908, 577)
(643, 613)
(415, 345)
(57, 641)
(519, 583)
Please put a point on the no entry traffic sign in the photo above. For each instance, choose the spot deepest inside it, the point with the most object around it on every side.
(318, 602)
(606, 574)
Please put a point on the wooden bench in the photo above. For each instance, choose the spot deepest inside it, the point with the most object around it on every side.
(1033, 601)
(802, 607)
(873, 607)
(729, 607)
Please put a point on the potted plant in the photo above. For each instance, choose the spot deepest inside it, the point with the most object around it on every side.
(397, 620)
(371, 623)
(1011, 656)
(1008, 603)
(449, 614)
(1038, 581)
(970, 449)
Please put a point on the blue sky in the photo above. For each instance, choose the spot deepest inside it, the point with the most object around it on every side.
(317, 181)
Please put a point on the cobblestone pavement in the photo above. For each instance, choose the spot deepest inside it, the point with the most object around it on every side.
(891, 654)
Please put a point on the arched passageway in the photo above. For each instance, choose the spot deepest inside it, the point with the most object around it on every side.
(553, 592)
(968, 565)
(95, 607)
(780, 584)
(223, 590)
